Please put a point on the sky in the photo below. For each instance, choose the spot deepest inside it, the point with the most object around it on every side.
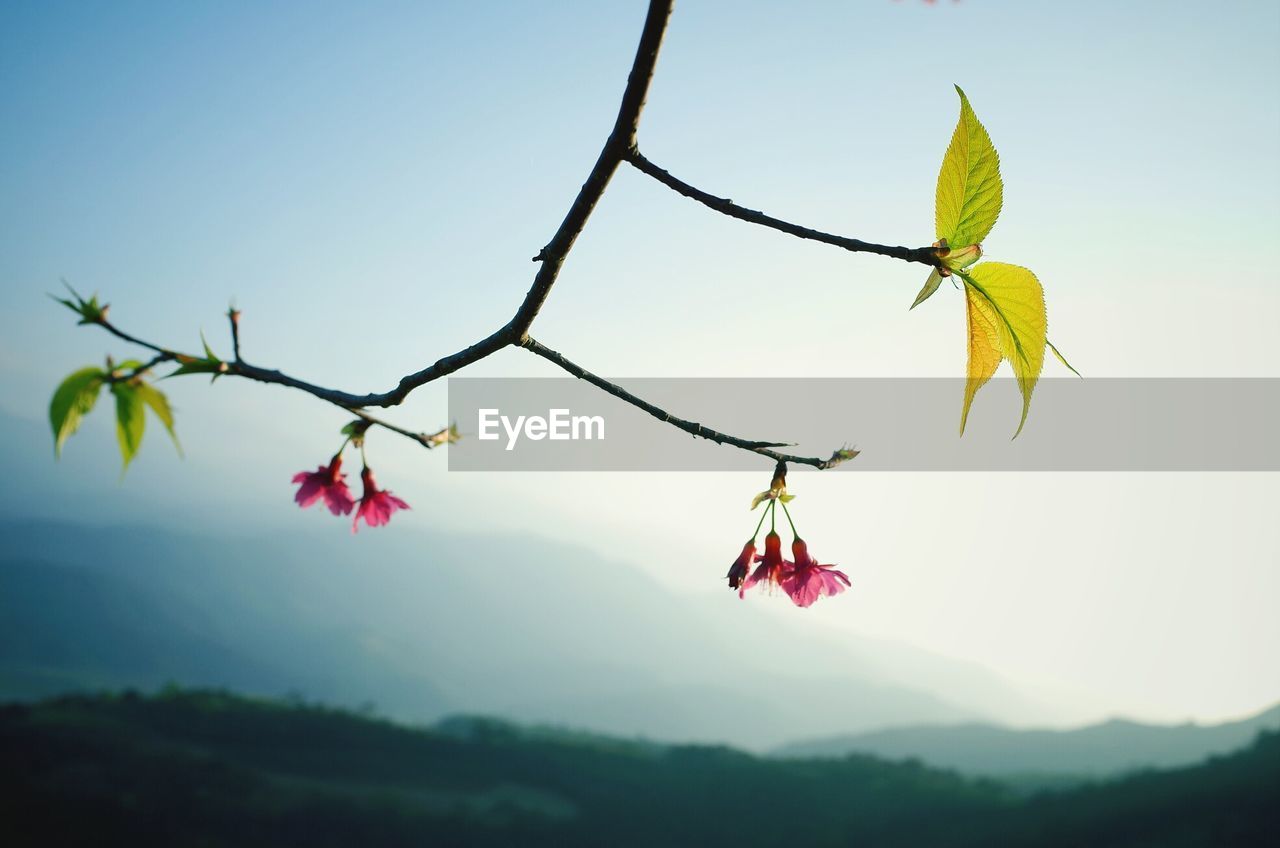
(368, 183)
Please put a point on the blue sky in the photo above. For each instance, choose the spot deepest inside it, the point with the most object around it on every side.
(369, 182)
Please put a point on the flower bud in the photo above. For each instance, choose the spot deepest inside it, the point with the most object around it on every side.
(742, 565)
(959, 258)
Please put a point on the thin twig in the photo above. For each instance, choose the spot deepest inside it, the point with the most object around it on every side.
(691, 427)
(923, 255)
(233, 318)
(121, 334)
(158, 359)
(140, 370)
(427, 440)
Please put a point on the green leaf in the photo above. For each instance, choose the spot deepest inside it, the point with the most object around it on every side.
(1006, 320)
(72, 400)
(195, 366)
(208, 351)
(159, 404)
(130, 420)
(211, 364)
(970, 191)
(72, 306)
(930, 286)
(90, 311)
(191, 365)
(1063, 359)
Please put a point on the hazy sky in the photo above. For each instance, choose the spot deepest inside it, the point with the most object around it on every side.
(369, 182)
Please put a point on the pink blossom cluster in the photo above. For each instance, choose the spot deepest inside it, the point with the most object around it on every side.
(328, 483)
(802, 578)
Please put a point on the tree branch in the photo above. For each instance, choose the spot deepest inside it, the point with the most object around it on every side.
(619, 147)
(691, 427)
(239, 368)
(621, 139)
(923, 255)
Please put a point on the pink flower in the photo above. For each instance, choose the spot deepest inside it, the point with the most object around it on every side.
(376, 505)
(772, 569)
(807, 581)
(742, 565)
(327, 482)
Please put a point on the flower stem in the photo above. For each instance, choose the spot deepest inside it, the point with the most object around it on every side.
(345, 442)
(759, 524)
(773, 516)
(787, 513)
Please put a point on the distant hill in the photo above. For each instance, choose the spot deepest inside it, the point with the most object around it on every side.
(426, 626)
(438, 620)
(1108, 748)
(214, 769)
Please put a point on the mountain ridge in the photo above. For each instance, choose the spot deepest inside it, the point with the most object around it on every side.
(1109, 747)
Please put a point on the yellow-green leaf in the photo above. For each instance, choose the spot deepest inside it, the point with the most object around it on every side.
(984, 348)
(970, 191)
(1016, 303)
(778, 493)
(159, 404)
(130, 420)
(72, 400)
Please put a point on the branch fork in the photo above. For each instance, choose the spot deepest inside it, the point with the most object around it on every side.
(620, 147)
